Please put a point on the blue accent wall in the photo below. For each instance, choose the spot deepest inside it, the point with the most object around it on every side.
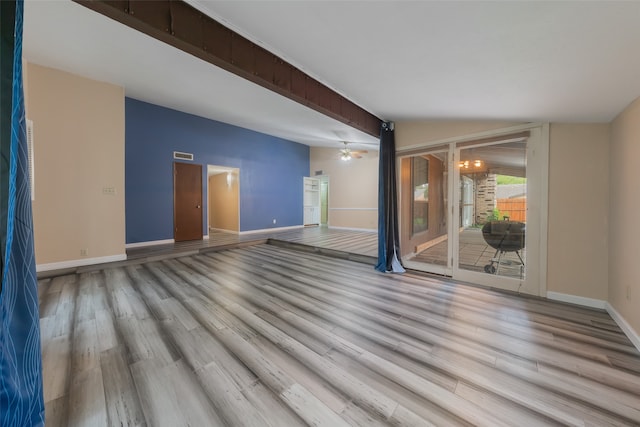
(271, 169)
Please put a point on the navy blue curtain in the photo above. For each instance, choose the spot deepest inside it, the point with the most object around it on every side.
(388, 237)
(21, 399)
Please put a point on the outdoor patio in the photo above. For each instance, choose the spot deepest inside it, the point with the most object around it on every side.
(475, 253)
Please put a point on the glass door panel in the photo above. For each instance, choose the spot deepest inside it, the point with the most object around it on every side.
(425, 220)
(492, 196)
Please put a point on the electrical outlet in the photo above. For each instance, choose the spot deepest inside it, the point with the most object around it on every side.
(274, 220)
(84, 252)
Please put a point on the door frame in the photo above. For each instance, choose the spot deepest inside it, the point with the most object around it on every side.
(445, 270)
(235, 174)
(324, 179)
(535, 282)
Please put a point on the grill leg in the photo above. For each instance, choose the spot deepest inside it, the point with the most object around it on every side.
(522, 266)
(499, 260)
(520, 258)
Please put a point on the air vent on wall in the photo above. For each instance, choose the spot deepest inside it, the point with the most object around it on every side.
(182, 156)
(30, 158)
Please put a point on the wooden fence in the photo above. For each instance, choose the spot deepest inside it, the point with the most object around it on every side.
(516, 209)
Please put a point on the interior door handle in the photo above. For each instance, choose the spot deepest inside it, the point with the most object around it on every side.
(198, 206)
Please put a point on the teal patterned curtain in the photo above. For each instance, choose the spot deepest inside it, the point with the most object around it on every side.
(21, 399)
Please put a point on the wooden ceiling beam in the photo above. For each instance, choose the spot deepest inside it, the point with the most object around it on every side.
(184, 27)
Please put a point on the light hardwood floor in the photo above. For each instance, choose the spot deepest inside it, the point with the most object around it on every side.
(340, 241)
(265, 336)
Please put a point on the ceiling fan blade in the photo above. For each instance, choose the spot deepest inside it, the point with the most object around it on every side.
(357, 154)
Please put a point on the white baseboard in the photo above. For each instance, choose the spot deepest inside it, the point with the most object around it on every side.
(368, 230)
(80, 262)
(573, 299)
(205, 237)
(624, 325)
(633, 336)
(149, 243)
(271, 230)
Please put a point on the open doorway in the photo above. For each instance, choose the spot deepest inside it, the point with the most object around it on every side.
(223, 193)
(324, 200)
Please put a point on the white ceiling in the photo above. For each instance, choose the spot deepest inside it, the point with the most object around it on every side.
(522, 61)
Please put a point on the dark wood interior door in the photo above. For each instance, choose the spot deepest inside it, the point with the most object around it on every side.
(187, 201)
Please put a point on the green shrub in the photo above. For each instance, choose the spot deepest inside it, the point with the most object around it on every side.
(497, 215)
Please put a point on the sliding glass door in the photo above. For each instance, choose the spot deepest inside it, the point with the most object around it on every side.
(466, 210)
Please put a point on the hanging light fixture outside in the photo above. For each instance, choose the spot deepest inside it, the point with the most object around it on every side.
(466, 164)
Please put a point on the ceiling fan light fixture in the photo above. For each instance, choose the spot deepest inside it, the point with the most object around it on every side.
(345, 153)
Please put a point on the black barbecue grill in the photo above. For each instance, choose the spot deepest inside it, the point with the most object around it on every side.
(504, 236)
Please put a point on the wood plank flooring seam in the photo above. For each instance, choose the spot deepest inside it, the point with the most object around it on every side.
(63, 415)
(220, 384)
(342, 381)
(630, 349)
(241, 347)
(264, 335)
(247, 317)
(468, 336)
(206, 402)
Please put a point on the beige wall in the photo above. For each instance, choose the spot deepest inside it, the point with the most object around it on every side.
(353, 187)
(624, 233)
(223, 203)
(578, 250)
(78, 151)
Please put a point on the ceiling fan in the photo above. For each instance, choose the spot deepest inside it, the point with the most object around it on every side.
(347, 153)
